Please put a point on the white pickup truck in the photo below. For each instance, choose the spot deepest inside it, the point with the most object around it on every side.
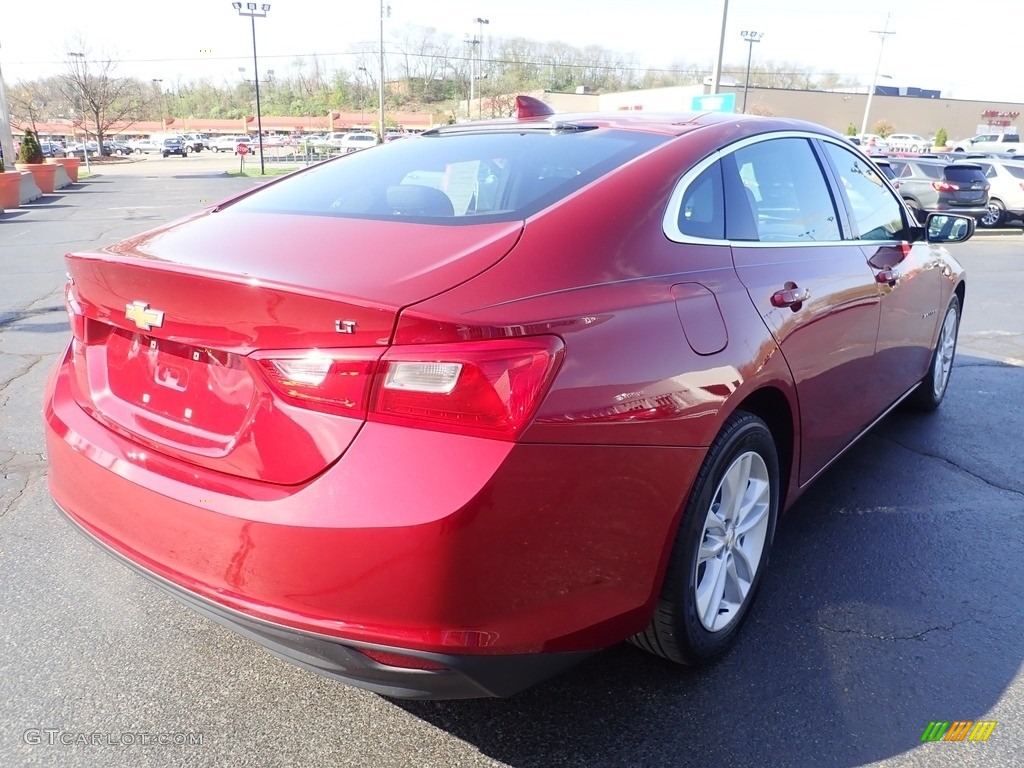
(991, 142)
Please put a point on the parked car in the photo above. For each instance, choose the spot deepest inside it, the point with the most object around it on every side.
(145, 146)
(115, 147)
(907, 142)
(1008, 142)
(938, 186)
(229, 143)
(591, 360)
(52, 149)
(1006, 191)
(75, 149)
(173, 145)
(353, 141)
(193, 142)
(872, 143)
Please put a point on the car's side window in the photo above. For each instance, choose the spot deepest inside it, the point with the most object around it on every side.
(786, 191)
(877, 213)
(701, 212)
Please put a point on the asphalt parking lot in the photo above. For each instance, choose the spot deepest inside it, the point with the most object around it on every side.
(895, 596)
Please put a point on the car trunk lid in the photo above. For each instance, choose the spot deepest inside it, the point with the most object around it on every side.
(169, 327)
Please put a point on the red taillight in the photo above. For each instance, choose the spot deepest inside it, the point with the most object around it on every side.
(75, 316)
(336, 381)
(481, 388)
(945, 186)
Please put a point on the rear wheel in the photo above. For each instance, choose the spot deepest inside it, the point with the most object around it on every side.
(721, 546)
(932, 389)
(916, 209)
(995, 214)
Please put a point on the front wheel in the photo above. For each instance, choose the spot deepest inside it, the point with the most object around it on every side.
(994, 215)
(216, 150)
(721, 547)
(932, 389)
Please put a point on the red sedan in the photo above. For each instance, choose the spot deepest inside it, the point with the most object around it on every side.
(441, 419)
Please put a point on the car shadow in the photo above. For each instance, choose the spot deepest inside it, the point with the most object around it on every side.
(893, 599)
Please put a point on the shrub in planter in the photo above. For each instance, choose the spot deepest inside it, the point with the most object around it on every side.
(30, 151)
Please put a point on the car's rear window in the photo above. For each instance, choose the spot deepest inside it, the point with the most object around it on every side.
(456, 178)
(1016, 170)
(964, 173)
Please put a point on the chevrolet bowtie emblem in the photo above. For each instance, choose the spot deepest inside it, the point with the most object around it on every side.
(143, 317)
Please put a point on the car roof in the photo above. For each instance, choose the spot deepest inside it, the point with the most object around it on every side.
(670, 123)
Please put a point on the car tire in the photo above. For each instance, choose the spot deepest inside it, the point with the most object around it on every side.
(138, 151)
(187, 150)
(721, 546)
(914, 148)
(166, 154)
(215, 149)
(995, 215)
(916, 209)
(930, 392)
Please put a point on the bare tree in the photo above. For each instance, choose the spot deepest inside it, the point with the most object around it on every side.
(107, 100)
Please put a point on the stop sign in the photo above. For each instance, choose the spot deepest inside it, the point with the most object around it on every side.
(243, 149)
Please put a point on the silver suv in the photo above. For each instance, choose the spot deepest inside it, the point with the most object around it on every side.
(933, 185)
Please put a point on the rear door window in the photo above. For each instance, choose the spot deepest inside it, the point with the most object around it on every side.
(787, 192)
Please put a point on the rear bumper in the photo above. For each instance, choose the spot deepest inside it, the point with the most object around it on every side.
(463, 676)
(496, 560)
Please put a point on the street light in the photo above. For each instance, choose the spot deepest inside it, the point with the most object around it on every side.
(480, 60)
(716, 72)
(383, 9)
(751, 37)
(159, 83)
(85, 132)
(472, 42)
(252, 13)
(362, 122)
(882, 35)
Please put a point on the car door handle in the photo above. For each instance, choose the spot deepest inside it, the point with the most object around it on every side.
(790, 297)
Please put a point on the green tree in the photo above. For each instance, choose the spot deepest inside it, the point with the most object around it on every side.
(941, 137)
(30, 151)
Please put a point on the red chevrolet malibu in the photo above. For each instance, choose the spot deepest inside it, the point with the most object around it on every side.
(441, 418)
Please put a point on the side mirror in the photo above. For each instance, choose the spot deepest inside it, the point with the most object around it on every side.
(948, 228)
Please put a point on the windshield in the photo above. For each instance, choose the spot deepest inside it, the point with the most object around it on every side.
(455, 179)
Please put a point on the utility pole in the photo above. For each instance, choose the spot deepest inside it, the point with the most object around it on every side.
(882, 35)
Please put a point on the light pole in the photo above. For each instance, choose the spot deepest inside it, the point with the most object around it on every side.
(362, 122)
(252, 13)
(383, 9)
(480, 60)
(751, 37)
(882, 35)
(716, 72)
(159, 84)
(472, 43)
(85, 132)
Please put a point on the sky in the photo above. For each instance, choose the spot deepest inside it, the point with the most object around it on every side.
(938, 44)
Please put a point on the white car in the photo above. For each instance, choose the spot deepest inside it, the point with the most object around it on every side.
(230, 143)
(353, 141)
(1006, 194)
(871, 143)
(145, 146)
(908, 142)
